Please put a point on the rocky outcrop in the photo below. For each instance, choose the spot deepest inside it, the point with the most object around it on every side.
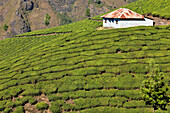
(28, 5)
(62, 5)
(2, 2)
(1, 18)
(21, 24)
(18, 27)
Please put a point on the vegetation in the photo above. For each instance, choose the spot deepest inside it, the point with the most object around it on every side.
(154, 7)
(5, 27)
(47, 19)
(19, 109)
(101, 68)
(55, 107)
(155, 90)
(64, 18)
(87, 12)
(82, 69)
(85, 25)
(42, 106)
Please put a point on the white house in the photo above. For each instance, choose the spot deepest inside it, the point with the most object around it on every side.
(124, 17)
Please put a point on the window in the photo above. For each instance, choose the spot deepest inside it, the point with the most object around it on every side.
(105, 20)
(116, 21)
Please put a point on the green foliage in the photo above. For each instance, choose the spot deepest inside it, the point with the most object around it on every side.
(47, 19)
(5, 27)
(154, 7)
(155, 90)
(77, 27)
(55, 108)
(134, 104)
(42, 106)
(19, 109)
(82, 68)
(7, 110)
(116, 110)
(9, 104)
(87, 13)
(64, 19)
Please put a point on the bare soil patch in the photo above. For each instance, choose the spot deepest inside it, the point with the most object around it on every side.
(158, 20)
(32, 109)
(104, 28)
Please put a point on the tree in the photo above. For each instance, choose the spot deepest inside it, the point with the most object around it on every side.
(47, 19)
(5, 27)
(154, 89)
(87, 12)
(64, 18)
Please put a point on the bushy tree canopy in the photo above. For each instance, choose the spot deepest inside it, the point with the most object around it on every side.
(47, 19)
(154, 89)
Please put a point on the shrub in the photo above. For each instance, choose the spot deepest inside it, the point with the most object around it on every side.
(7, 110)
(19, 109)
(47, 19)
(9, 104)
(55, 107)
(87, 12)
(42, 106)
(134, 104)
(68, 107)
(31, 92)
(54, 97)
(32, 101)
(155, 90)
(21, 101)
(5, 27)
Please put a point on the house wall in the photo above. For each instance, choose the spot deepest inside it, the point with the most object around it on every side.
(127, 23)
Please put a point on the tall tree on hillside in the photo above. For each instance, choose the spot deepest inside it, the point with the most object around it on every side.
(5, 27)
(87, 13)
(154, 89)
(47, 19)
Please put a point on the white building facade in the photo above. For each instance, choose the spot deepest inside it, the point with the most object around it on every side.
(123, 18)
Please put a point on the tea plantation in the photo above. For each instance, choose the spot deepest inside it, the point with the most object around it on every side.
(86, 70)
(158, 8)
(76, 68)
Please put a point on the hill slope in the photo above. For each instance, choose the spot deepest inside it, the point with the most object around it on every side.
(81, 69)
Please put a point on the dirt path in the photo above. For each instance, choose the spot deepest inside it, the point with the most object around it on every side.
(158, 20)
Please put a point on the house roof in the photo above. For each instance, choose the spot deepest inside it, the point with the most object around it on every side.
(123, 13)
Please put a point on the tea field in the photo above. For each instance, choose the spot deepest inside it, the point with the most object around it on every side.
(78, 69)
(158, 8)
(86, 70)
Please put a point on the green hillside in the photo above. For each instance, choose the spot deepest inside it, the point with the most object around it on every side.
(81, 69)
(155, 7)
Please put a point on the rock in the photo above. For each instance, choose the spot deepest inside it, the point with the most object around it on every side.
(19, 27)
(1, 18)
(62, 5)
(28, 5)
(3, 2)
